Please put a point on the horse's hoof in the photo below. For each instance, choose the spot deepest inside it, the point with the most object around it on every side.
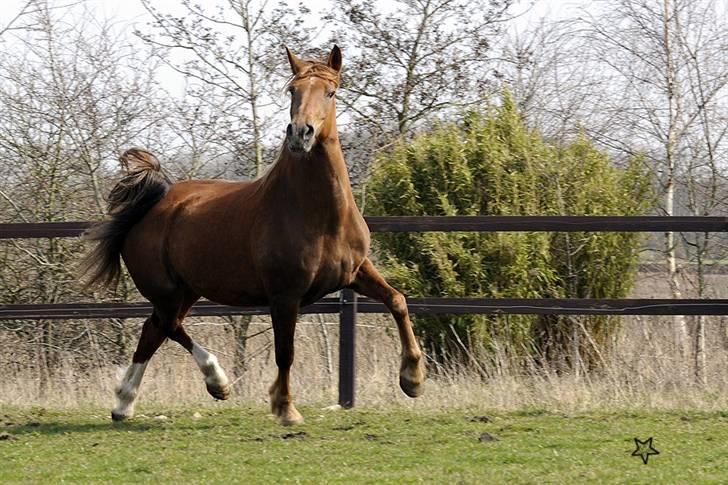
(221, 393)
(117, 417)
(410, 388)
(292, 418)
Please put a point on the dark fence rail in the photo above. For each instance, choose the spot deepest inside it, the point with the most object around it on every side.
(422, 306)
(347, 305)
(547, 224)
(453, 224)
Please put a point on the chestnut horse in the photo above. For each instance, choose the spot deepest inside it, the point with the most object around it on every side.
(284, 240)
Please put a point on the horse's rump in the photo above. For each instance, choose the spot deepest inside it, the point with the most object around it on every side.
(143, 186)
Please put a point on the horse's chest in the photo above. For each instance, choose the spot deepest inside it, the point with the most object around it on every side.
(333, 273)
(338, 259)
(313, 264)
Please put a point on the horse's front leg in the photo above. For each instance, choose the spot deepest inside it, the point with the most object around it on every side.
(284, 313)
(370, 283)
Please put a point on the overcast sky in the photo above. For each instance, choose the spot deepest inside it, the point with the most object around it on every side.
(129, 14)
(132, 11)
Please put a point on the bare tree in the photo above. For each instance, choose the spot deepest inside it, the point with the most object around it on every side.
(231, 57)
(546, 68)
(199, 141)
(670, 56)
(72, 95)
(706, 74)
(23, 18)
(641, 77)
(416, 60)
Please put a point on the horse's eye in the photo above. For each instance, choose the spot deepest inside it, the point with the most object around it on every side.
(291, 90)
(330, 94)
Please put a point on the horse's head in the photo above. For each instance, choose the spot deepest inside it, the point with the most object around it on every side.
(313, 108)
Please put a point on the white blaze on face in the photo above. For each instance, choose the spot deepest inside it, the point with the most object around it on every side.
(128, 389)
(208, 364)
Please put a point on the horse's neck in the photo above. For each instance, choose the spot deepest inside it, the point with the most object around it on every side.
(318, 178)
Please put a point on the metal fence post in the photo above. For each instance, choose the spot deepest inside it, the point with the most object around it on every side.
(347, 337)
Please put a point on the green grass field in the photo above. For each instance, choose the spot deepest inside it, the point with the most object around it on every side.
(245, 445)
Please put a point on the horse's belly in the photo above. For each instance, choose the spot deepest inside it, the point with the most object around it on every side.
(235, 294)
(228, 282)
(219, 271)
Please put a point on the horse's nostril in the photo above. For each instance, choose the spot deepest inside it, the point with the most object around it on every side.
(302, 132)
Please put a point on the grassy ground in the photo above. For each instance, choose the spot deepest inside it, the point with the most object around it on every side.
(233, 444)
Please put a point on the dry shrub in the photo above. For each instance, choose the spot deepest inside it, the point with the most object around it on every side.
(642, 370)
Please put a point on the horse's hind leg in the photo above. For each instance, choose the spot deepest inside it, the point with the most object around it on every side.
(166, 321)
(370, 283)
(216, 381)
(126, 392)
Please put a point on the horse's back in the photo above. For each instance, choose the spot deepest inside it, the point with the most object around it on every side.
(202, 189)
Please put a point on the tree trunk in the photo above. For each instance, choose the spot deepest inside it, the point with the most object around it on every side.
(253, 91)
(674, 110)
(701, 377)
(240, 325)
(327, 347)
(700, 362)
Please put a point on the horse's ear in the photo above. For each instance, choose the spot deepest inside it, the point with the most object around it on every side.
(334, 61)
(293, 60)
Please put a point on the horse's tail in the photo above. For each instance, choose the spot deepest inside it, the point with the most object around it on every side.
(131, 198)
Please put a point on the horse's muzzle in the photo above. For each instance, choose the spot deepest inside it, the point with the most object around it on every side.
(300, 137)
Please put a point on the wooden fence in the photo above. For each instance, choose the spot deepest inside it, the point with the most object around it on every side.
(348, 305)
